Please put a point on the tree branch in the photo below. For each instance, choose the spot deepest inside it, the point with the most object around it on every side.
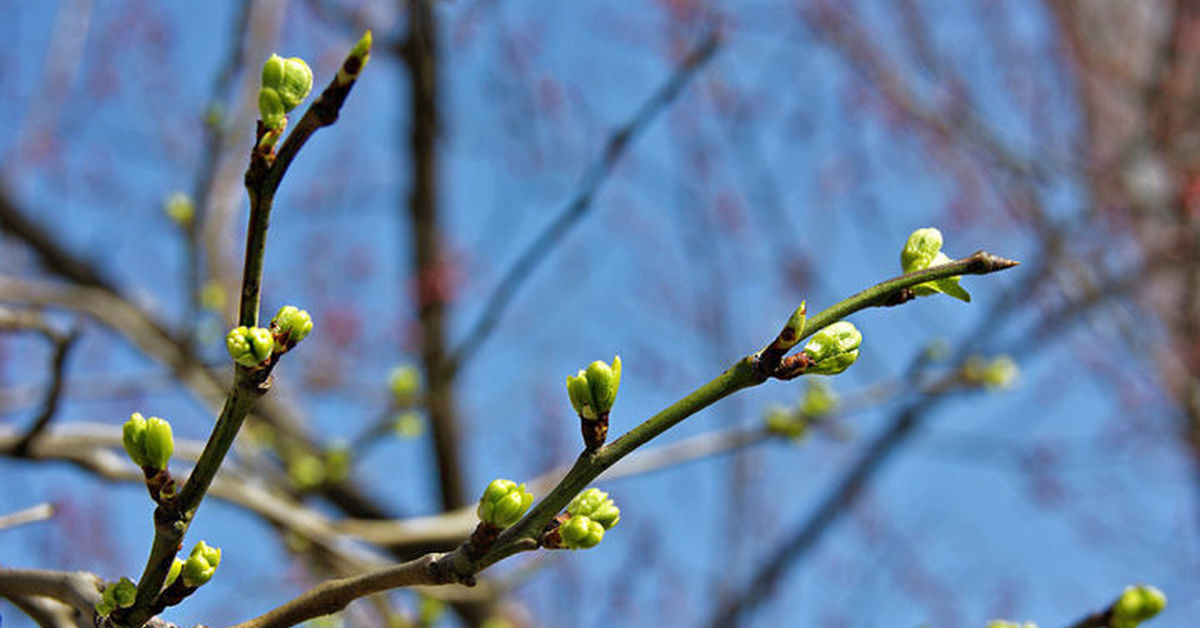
(539, 250)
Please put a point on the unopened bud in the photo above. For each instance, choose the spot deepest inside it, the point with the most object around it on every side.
(503, 503)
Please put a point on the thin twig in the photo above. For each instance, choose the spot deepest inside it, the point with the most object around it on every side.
(596, 174)
(40, 512)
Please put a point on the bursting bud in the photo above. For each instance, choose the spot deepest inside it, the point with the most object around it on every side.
(595, 505)
(285, 84)
(503, 503)
(581, 532)
(133, 438)
(159, 443)
(833, 349)
(295, 323)
(1137, 604)
(201, 564)
(594, 390)
(924, 249)
(249, 346)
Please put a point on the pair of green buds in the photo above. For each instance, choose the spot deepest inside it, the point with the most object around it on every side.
(148, 442)
(589, 514)
(252, 346)
(594, 390)
(198, 569)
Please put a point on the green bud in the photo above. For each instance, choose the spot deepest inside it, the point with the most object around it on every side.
(408, 424)
(819, 399)
(603, 380)
(1137, 604)
(249, 346)
(108, 600)
(176, 567)
(285, 84)
(995, 374)
(201, 564)
(294, 322)
(337, 462)
(503, 503)
(404, 382)
(923, 250)
(595, 505)
(833, 349)
(212, 296)
(1000, 623)
(581, 396)
(180, 209)
(124, 592)
(306, 471)
(783, 422)
(580, 532)
(133, 438)
(159, 443)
